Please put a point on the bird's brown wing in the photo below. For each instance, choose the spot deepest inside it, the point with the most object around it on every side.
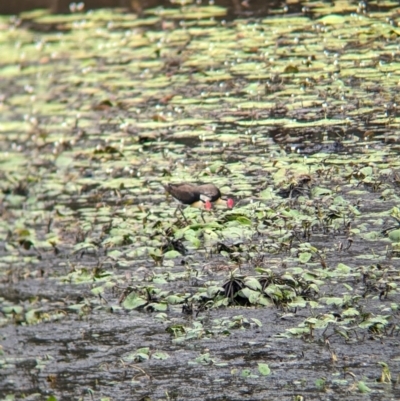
(185, 193)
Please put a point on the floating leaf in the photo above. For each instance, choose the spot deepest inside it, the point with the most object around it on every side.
(334, 301)
(252, 283)
(395, 236)
(158, 306)
(175, 299)
(172, 254)
(264, 369)
(363, 388)
(160, 355)
(133, 301)
(298, 302)
(257, 322)
(343, 268)
(305, 257)
(252, 296)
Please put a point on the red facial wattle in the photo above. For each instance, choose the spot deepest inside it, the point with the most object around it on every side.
(207, 205)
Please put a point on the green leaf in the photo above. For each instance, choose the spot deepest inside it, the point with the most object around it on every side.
(221, 301)
(212, 290)
(133, 301)
(343, 268)
(243, 220)
(394, 235)
(252, 283)
(142, 354)
(298, 302)
(97, 290)
(318, 191)
(304, 257)
(13, 309)
(264, 301)
(83, 246)
(160, 355)
(351, 312)
(77, 307)
(172, 254)
(115, 254)
(320, 383)
(252, 296)
(274, 291)
(174, 299)
(363, 388)
(380, 320)
(159, 280)
(196, 242)
(366, 171)
(372, 235)
(32, 316)
(334, 301)
(256, 321)
(158, 306)
(140, 357)
(264, 369)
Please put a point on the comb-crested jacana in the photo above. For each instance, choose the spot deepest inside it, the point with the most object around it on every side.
(204, 195)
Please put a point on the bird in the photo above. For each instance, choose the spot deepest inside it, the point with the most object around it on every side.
(203, 195)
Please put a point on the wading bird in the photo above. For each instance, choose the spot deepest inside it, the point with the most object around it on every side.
(203, 196)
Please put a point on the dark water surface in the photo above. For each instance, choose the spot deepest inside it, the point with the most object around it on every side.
(234, 7)
(105, 294)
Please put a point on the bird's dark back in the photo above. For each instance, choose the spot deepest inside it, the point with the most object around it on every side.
(189, 193)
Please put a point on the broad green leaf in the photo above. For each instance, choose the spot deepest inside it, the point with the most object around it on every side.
(264, 369)
(305, 257)
(363, 388)
(133, 301)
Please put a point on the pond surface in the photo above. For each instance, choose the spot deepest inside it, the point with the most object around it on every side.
(106, 293)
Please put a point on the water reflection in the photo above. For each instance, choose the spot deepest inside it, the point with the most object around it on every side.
(235, 7)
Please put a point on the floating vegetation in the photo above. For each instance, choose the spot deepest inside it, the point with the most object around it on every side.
(294, 117)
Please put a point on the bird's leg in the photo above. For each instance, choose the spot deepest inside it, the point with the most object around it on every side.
(183, 215)
(202, 216)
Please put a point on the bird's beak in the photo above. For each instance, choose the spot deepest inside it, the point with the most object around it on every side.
(225, 202)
